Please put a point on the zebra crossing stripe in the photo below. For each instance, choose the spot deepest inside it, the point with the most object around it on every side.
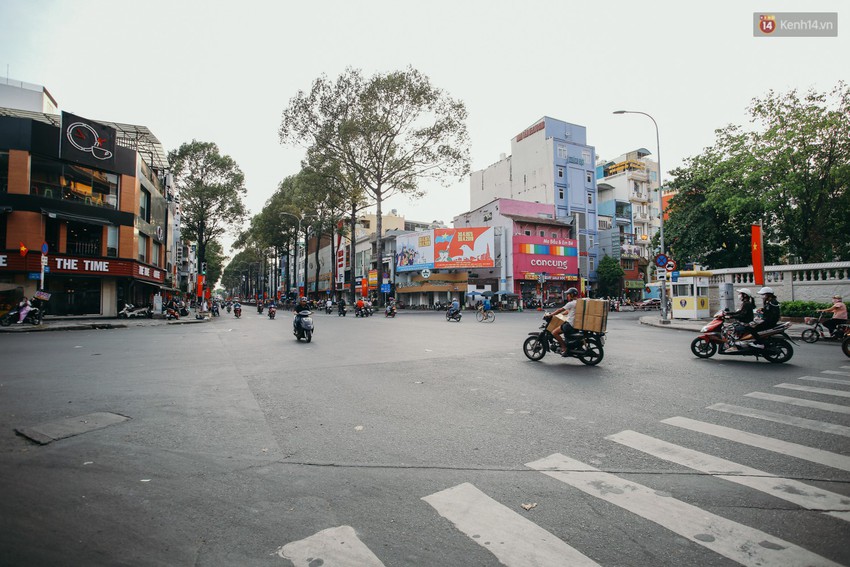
(825, 380)
(338, 547)
(839, 393)
(838, 372)
(743, 544)
(820, 456)
(790, 490)
(512, 538)
(804, 423)
(802, 402)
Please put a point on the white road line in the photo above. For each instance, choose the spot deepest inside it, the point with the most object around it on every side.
(825, 380)
(802, 402)
(839, 393)
(820, 456)
(838, 372)
(804, 423)
(512, 538)
(743, 544)
(334, 547)
(790, 490)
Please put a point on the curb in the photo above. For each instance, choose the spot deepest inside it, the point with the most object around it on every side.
(88, 326)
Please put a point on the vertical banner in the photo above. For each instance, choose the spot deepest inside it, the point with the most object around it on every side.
(758, 255)
(200, 286)
(364, 287)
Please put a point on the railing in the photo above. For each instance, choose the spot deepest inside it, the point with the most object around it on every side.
(59, 192)
(807, 282)
(83, 248)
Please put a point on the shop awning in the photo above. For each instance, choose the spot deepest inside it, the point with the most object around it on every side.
(76, 218)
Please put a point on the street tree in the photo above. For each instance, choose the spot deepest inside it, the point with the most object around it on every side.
(392, 132)
(211, 189)
(791, 172)
(609, 276)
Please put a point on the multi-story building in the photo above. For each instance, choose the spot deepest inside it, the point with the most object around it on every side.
(550, 164)
(91, 194)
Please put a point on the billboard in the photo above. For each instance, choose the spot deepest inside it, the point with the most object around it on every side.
(415, 251)
(471, 247)
(555, 256)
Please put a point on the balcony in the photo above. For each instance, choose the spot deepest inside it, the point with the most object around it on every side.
(639, 197)
(83, 248)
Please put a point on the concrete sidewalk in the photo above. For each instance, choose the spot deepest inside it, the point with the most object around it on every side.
(695, 325)
(56, 323)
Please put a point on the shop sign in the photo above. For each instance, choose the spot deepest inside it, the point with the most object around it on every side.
(447, 248)
(62, 265)
(555, 256)
(4, 259)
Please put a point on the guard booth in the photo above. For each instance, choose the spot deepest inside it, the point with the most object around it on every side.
(689, 297)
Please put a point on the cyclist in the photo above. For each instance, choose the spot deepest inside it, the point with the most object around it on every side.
(839, 314)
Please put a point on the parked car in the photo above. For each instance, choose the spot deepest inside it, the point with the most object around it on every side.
(652, 303)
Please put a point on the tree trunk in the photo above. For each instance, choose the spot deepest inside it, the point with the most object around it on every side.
(306, 260)
(352, 248)
(318, 245)
(379, 244)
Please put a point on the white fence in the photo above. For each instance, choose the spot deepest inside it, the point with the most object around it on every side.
(797, 282)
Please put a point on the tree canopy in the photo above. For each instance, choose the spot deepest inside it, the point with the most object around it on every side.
(791, 171)
(608, 275)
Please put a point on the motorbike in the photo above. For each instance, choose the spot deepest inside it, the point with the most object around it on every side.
(214, 310)
(33, 317)
(341, 311)
(237, 311)
(453, 316)
(184, 311)
(587, 346)
(272, 311)
(845, 346)
(228, 308)
(171, 313)
(303, 326)
(390, 311)
(719, 335)
(131, 311)
(259, 308)
(328, 309)
(360, 312)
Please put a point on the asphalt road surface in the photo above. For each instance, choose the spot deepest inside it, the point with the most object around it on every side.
(415, 441)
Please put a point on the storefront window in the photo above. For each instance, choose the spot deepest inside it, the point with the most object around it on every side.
(143, 248)
(53, 179)
(155, 253)
(73, 296)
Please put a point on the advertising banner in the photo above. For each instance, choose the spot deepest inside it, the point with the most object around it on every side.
(555, 256)
(87, 142)
(471, 247)
(415, 251)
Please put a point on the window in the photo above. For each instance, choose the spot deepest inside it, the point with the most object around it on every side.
(83, 239)
(145, 205)
(53, 179)
(590, 198)
(562, 151)
(653, 175)
(4, 172)
(638, 231)
(628, 265)
(51, 235)
(591, 263)
(143, 248)
(112, 241)
(527, 233)
(588, 176)
(560, 192)
(585, 155)
(542, 234)
(561, 172)
(554, 235)
(155, 253)
(681, 289)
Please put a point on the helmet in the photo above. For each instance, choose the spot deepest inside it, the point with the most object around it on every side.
(745, 291)
(766, 291)
(572, 291)
(302, 300)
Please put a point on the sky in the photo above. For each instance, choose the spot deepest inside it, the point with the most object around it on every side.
(224, 71)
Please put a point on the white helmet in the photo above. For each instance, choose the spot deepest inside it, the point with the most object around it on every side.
(766, 290)
(745, 291)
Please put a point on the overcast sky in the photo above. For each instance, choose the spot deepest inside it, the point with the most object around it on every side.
(223, 71)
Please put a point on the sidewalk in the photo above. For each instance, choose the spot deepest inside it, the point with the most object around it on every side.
(55, 323)
(695, 325)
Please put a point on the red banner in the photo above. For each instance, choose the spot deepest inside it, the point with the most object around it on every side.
(758, 255)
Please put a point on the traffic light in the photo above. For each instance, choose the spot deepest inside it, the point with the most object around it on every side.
(204, 268)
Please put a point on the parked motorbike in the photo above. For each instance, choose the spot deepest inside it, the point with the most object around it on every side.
(587, 346)
(272, 311)
(33, 317)
(718, 337)
(131, 311)
(456, 316)
(341, 311)
(184, 311)
(303, 326)
(237, 311)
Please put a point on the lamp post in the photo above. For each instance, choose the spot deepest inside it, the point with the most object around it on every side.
(298, 232)
(660, 204)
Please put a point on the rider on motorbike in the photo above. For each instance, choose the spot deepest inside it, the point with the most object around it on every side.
(744, 316)
(769, 315)
(455, 307)
(567, 328)
(300, 306)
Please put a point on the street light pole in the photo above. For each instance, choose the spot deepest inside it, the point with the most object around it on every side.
(297, 233)
(660, 203)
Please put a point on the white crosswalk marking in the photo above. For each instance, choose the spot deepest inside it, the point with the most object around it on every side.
(334, 547)
(833, 460)
(839, 393)
(513, 539)
(748, 546)
(802, 402)
(786, 489)
(825, 380)
(838, 372)
(812, 424)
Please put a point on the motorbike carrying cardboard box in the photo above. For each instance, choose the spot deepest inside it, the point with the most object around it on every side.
(556, 321)
(592, 315)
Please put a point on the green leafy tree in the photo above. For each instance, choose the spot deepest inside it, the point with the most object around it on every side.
(215, 262)
(791, 172)
(211, 190)
(609, 277)
(390, 132)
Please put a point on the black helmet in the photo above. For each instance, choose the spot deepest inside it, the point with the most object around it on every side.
(572, 291)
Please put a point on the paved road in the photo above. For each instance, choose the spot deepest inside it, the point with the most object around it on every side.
(415, 441)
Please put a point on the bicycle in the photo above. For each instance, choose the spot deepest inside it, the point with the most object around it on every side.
(483, 316)
(819, 331)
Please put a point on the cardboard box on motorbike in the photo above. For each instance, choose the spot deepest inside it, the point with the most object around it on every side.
(591, 315)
